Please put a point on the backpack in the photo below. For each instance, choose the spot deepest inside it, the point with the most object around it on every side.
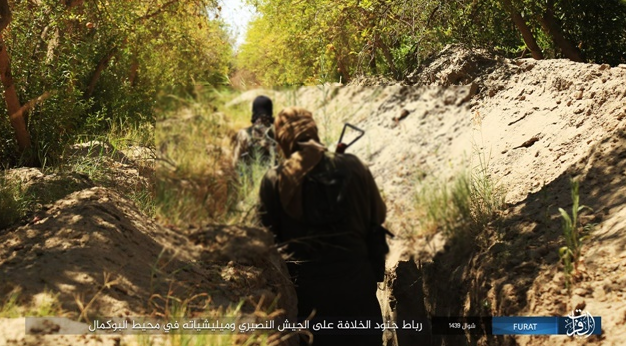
(262, 143)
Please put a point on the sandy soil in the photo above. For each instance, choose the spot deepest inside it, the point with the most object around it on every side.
(101, 258)
(532, 125)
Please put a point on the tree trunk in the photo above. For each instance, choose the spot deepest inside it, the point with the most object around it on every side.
(387, 54)
(102, 64)
(341, 68)
(552, 28)
(134, 72)
(527, 35)
(73, 3)
(10, 94)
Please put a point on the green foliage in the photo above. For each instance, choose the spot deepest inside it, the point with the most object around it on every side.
(574, 233)
(597, 27)
(291, 42)
(105, 64)
(347, 38)
(13, 204)
(13, 306)
(461, 209)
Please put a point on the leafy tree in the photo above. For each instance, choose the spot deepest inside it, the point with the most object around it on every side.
(307, 41)
(102, 63)
(14, 107)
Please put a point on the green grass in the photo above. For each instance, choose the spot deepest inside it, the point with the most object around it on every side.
(13, 202)
(46, 304)
(462, 208)
(574, 235)
(177, 311)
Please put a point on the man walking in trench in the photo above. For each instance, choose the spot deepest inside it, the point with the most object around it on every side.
(323, 206)
(256, 142)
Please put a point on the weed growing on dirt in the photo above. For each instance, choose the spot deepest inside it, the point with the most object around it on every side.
(574, 233)
(11, 307)
(178, 311)
(462, 208)
(107, 283)
(19, 198)
(122, 159)
(47, 304)
(13, 205)
(247, 192)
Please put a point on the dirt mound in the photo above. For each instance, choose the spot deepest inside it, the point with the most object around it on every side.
(531, 126)
(455, 65)
(536, 125)
(103, 258)
(250, 262)
(129, 169)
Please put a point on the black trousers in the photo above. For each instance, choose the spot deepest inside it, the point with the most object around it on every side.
(347, 295)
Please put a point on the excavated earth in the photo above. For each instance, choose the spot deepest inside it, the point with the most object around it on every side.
(93, 251)
(532, 126)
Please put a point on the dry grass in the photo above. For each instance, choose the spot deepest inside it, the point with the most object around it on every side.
(196, 181)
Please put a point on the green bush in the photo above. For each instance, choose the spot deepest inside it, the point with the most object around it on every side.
(105, 65)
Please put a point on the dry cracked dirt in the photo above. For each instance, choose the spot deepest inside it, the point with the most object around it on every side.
(531, 126)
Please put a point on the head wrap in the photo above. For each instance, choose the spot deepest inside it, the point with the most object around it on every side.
(296, 134)
(262, 107)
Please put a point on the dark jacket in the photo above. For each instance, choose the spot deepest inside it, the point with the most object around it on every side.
(330, 266)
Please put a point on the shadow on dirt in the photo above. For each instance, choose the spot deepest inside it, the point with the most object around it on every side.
(467, 280)
(96, 249)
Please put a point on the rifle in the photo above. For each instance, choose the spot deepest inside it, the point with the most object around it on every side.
(341, 147)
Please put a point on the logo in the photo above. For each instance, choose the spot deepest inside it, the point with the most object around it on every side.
(580, 324)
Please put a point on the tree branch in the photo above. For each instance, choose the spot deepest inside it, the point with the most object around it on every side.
(157, 12)
(102, 64)
(29, 105)
(5, 14)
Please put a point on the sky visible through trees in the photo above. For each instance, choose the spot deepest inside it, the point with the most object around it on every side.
(237, 14)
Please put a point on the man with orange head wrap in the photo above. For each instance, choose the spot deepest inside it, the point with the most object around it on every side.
(323, 206)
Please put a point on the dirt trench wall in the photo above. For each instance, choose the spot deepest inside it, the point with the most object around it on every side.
(99, 255)
(531, 126)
